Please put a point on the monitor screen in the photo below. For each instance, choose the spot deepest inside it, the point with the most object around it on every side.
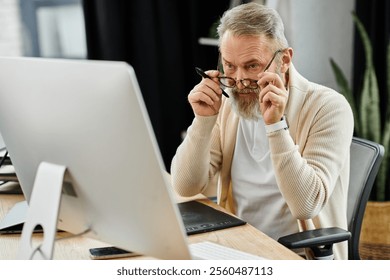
(89, 116)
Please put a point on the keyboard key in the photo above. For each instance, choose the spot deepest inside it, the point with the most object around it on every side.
(212, 251)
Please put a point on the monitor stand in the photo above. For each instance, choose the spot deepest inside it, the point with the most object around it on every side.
(43, 212)
(14, 219)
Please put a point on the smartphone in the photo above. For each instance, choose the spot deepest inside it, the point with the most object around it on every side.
(18, 228)
(105, 253)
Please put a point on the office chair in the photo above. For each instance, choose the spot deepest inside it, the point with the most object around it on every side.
(366, 157)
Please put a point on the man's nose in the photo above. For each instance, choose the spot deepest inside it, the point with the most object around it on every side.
(239, 77)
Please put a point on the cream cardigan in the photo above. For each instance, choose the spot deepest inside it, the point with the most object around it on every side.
(311, 158)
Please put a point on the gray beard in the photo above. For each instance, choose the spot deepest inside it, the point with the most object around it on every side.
(247, 109)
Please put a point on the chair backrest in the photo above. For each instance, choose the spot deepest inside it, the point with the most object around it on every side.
(366, 157)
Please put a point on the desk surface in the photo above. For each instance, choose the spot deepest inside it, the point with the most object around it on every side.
(245, 238)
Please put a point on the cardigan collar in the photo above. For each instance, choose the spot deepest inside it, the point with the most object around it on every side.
(298, 88)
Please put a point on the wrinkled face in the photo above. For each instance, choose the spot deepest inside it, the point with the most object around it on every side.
(245, 57)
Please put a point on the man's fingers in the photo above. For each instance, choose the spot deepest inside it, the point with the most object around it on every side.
(200, 96)
(269, 78)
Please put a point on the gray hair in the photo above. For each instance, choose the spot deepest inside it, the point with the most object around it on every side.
(253, 19)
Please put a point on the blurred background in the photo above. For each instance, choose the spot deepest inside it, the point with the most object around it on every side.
(165, 39)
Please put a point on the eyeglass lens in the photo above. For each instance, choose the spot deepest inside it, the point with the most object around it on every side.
(230, 82)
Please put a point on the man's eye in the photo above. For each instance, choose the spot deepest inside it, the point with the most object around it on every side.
(253, 66)
(229, 66)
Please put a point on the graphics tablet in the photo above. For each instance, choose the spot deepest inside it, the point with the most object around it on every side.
(198, 217)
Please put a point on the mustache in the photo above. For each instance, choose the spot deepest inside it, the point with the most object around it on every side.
(237, 91)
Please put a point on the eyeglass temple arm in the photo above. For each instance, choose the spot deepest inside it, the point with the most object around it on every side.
(270, 62)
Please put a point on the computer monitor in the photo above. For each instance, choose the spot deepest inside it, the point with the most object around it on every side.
(89, 117)
(2, 145)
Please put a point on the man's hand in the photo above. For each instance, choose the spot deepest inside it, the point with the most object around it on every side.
(273, 97)
(205, 98)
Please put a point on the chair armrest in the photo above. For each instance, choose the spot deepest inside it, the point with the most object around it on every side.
(316, 237)
(319, 240)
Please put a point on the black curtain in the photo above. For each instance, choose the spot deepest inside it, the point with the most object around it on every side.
(375, 16)
(160, 40)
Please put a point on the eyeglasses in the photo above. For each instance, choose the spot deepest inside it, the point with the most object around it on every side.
(230, 82)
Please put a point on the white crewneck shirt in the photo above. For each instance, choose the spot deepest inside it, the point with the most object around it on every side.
(256, 194)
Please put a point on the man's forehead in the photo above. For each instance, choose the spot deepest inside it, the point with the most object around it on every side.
(245, 48)
(233, 42)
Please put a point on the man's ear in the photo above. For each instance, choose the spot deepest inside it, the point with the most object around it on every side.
(286, 59)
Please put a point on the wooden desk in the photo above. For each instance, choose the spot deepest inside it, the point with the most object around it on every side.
(245, 238)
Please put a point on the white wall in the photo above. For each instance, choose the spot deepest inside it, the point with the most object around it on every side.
(62, 32)
(318, 30)
(10, 33)
(10, 28)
